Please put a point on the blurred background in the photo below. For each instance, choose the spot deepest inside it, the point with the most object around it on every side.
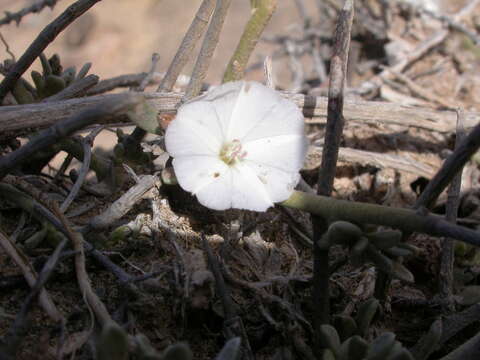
(119, 36)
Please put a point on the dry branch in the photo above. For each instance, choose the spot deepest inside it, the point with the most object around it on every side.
(452, 165)
(77, 89)
(46, 36)
(208, 47)
(30, 276)
(193, 34)
(34, 8)
(88, 294)
(327, 171)
(424, 47)
(19, 119)
(368, 158)
(121, 206)
(62, 129)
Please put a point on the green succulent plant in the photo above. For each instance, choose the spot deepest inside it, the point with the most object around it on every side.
(384, 248)
(50, 81)
(114, 343)
(384, 347)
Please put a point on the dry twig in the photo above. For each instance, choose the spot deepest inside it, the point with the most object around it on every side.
(34, 8)
(334, 129)
(14, 119)
(206, 52)
(76, 89)
(15, 334)
(46, 36)
(62, 129)
(30, 276)
(453, 201)
(87, 292)
(452, 165)
(193, 34)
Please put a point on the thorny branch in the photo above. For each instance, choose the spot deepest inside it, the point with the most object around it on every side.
(34, 8)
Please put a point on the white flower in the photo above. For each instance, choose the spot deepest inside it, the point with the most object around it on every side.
(241, 145)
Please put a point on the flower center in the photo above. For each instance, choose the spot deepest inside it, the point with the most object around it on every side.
(231, 152)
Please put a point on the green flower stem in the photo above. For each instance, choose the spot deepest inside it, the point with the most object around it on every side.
(361, 213)
(262, 11)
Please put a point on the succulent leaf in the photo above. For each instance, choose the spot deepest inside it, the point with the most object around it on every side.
(381, 346)
(113, 343)
(329, 338)
(343, 232)
(365, 315)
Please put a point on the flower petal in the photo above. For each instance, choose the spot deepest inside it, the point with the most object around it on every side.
(194, 131)
(285, 152)
(248, 192)
(285, 118)
(254, 103)
(194, 172)
(278, 183)
(217, 195)
(223, 98)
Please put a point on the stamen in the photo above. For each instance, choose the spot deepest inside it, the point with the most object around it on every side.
(231, 152)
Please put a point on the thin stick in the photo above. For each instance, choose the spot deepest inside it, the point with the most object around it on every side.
(7, 47)
(193, 34)
(208, 47)
(34, 8)
(30, 276)
(453, 200)
(262, 11)
(46, 36)
(147, 79)
(76, 89)
(15, 334)
(124, 204)
(87, 143)
(375, 82)
(333, 133)
(42, 213)
(452, 23)
(89, 295)
(421, 91)
(452, 165)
